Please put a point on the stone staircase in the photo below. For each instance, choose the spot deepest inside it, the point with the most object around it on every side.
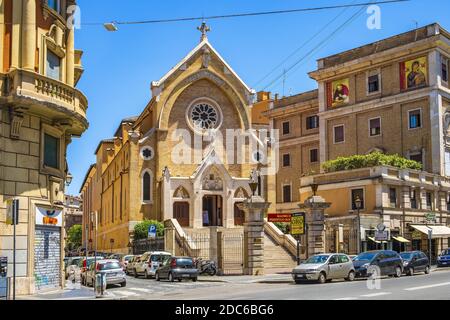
(276, 258)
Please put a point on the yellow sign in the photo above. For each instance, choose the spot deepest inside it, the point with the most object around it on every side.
(298, 224)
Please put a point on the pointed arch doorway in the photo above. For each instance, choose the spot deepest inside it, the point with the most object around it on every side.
(212, 213)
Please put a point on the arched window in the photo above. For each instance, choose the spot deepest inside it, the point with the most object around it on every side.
(147, 186)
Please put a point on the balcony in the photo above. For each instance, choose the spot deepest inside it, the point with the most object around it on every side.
(45, 96)
(78, 65)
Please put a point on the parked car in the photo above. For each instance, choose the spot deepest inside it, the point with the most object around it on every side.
(325, 267)
(444, 259)
(71, 265)
(139, 265)
(177, 268)
(116, 256)
(385, 262)
(415, 261)
(110, 267)
(130, 266)
(83, 266)
(125, 260)
(149, 263)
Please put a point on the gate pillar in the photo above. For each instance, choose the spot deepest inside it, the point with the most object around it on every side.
(315, 221)
(254, 209)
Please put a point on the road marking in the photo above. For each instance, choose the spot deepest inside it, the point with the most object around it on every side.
(347, 298)
(429, 286)
(126, 293)
(376, 294)
(141, 290)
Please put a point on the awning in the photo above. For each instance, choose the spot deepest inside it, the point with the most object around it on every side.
(401, 239)
(373, 239)
(438, 231)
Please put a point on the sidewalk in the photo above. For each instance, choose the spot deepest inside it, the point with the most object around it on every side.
(269, 278)
(72, 291)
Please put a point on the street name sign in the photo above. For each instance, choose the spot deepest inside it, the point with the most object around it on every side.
(279, 217)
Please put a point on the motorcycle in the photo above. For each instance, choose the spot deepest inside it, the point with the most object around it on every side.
(206, 267)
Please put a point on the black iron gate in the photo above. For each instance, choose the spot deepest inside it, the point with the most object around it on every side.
(196, 245)
(144, 245)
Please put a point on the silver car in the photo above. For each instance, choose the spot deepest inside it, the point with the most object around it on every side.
(112, 269)
(325, 267)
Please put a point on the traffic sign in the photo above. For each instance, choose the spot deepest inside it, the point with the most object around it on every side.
(12, 211)
(298, 223)
(382, 235)
(152, 231)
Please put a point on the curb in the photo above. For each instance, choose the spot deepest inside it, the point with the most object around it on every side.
(275, 281)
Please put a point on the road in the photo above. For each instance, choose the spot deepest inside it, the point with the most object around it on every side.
(435, 286)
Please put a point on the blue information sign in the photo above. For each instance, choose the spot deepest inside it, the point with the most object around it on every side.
(152, 231)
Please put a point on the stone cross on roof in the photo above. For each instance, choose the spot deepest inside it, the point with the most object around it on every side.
(204, 28)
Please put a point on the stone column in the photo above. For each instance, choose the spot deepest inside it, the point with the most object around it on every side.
(29, 34)
(254, 209)
(315, 221)
(70, 58)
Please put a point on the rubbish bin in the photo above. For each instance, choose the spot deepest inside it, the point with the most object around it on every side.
(100, 284)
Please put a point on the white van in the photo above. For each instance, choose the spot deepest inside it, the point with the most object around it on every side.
(150, 262)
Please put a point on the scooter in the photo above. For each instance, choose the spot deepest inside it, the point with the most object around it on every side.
(206, 267)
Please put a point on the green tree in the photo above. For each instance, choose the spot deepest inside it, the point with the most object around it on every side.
(74, 236)
(141, 229)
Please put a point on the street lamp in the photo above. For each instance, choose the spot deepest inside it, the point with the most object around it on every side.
(110, 26)
(358, 203)
(69, 178)
(254, 181)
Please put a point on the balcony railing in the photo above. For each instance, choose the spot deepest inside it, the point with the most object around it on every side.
(41, 90)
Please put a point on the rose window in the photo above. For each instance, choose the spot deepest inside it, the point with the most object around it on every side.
(204, 116)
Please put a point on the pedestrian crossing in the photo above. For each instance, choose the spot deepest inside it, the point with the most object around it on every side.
(156, 288)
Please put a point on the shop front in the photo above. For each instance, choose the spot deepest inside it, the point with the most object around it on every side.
(48, 248)
(430, 239)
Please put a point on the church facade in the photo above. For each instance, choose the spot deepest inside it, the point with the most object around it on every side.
(188, 156)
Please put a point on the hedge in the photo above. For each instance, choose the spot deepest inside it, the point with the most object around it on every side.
(141, 229)
(370, 160)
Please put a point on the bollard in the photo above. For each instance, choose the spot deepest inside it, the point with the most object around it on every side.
(100, 285)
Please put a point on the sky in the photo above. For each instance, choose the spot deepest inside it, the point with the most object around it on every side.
(120, 66)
